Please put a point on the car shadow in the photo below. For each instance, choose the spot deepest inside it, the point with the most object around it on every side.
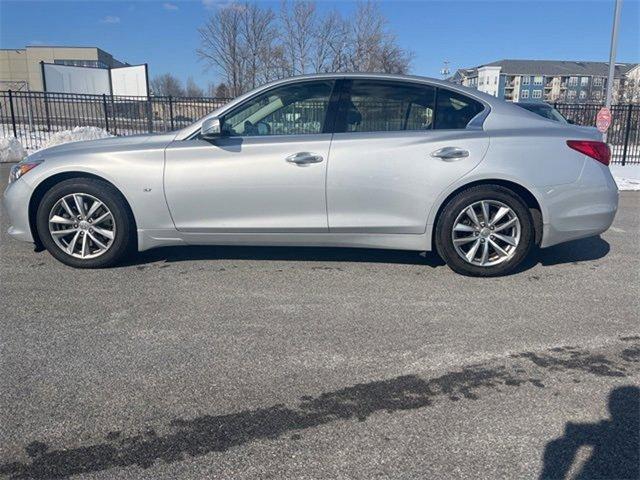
(572, 252)
(615, 442)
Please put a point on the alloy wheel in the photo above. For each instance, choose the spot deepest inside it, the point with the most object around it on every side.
(82, 226)
(486, 233)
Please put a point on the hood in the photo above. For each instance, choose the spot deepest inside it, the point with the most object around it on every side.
(111, 144)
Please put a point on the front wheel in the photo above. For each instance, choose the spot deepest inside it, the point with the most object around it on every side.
(85, 223)
(485, 231)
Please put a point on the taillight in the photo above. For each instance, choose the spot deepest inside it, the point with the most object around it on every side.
(597, 150)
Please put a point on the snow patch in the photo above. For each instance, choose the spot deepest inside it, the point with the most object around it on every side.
(627, 177)
(77, 134)
(11, 150)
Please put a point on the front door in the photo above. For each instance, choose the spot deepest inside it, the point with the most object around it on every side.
(265, 174)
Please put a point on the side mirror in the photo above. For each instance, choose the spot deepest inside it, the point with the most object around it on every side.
(211, 128)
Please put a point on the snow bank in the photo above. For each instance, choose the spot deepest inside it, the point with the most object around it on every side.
(77, 134)
(11, 150)
(627, 177)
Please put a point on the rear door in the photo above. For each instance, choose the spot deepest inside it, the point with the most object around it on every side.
(397, 146)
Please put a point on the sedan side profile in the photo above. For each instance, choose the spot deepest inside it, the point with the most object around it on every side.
(341, 160)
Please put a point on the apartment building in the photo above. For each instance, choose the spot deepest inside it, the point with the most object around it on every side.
(20, 68)
(551, 81)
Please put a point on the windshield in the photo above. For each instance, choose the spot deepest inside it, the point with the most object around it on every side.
(544, 110)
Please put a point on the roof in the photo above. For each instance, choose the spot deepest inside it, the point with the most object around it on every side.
(558, 67)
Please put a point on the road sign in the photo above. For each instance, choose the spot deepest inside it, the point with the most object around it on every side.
(603, 119)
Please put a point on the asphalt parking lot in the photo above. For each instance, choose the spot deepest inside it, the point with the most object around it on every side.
(321, 363)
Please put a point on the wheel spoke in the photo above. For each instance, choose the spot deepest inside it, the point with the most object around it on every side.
(72, 244)
(62, 233)
(502, 211)
(67, 208)
(79, 204)
(485, 253)
(102, 218)
(472, 215)
(510, 240)
(97, 242)
(62, 220)
(506, 225)
(501, 251)
(485, 212)
(83, 252)
(473, 250)
(464, 240)
(461, 227)
(94, 206)
(105, 233)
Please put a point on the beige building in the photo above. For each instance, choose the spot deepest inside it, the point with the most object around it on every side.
(20, 69)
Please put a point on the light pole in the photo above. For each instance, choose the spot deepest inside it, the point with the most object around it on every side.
(612, 52)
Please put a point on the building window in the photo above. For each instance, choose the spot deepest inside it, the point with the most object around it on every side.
(583, 95)
(597, 95)
(495, 80)
(597, 81)
(537, 80)
(584, 81)
(536, 94)
(80, 63)
(524, 94)
(573, 81)
(571, 94)
(526, 79)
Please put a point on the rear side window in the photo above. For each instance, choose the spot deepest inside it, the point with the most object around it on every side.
(377, 106)
(454, 111)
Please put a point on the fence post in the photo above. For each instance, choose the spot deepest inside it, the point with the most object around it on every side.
(626, 135)
(46, 111)
(171, 111)
(13, 114)
(113, 112)
(106, 112)
(149, 115)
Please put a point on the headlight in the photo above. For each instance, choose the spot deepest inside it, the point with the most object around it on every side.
(21, 168)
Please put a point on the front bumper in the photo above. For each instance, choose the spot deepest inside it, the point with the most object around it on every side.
(581, 209)
(16, 202)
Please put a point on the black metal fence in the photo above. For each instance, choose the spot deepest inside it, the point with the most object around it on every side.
(33, 117)
(623, 135)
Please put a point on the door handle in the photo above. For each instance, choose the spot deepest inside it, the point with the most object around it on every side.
(304, 158)
(450, 153)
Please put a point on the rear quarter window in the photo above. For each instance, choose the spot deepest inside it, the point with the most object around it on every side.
(454, 110)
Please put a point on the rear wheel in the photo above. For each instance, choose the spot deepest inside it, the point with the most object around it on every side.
(485, 231)
(85, 223)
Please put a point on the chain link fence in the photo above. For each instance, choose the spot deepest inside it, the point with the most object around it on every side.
(33, 117)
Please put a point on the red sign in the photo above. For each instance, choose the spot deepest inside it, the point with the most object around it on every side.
(603, 119)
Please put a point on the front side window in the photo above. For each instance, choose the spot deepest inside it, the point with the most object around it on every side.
(377, 106)
(455, 111)
(296, 109)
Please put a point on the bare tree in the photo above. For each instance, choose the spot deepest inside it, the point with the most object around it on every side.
(222, 91)
(298, 22)
(222, 47)
(167, 84)
(211, 89)
(247, 45)
(193, 90)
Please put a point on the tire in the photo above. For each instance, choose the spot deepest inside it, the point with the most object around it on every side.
(502, 256)
(114, 228)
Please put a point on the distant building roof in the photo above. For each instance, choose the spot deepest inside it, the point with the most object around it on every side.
(558, 67)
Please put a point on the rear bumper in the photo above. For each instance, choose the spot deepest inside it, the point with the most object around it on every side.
(581, 209)
(16, 202)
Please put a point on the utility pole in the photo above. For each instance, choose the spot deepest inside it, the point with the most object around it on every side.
(612, 52)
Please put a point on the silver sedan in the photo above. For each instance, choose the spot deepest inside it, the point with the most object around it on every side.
(348, 160)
